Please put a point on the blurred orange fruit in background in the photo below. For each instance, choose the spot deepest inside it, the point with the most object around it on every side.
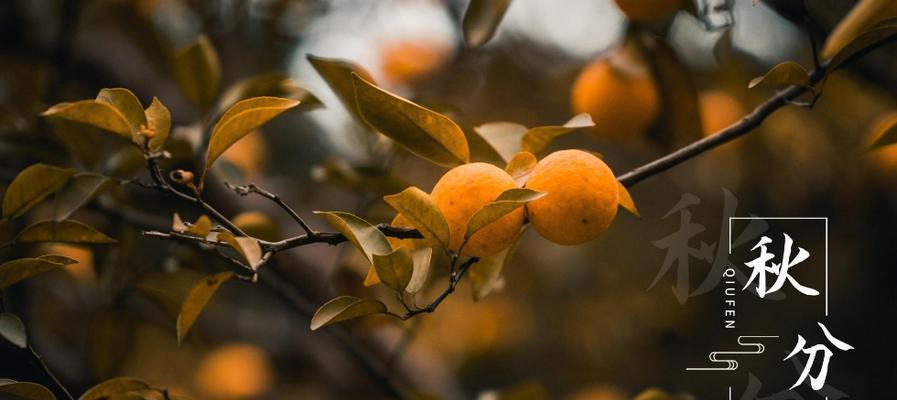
(249, 155)
(234, 371)
(718, 110)
(408, 61)
(619, 93)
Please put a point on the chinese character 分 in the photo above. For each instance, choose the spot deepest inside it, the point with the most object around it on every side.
(761, 265)
(818, 381)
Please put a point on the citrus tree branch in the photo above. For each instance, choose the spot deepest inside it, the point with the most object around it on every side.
(747, 124)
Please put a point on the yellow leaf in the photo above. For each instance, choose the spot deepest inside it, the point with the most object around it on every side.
(66, 231)
(878, 33)
(626, 200)
(12, 272)
(240, 120)
(158, 118)
(481, 20)
(126, 103)
(423, 132)
(13, 330)
(269, 84)
(507, 201)
(114, 386)
(785, 74)
(536, 139)
(91, 112)
(198, 71)
(26, 390)
(504, 137)
(520, 166)
(197, 299)
(863, 16)
(79, 190)
(364, 236)
(395, 269)
(486, 273)
(248, 248)
(343, 308)
(421, 260)
(422, 212)
(201, 228)
(338, 75)
(31, 186)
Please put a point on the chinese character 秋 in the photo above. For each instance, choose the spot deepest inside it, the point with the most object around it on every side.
(760, 266)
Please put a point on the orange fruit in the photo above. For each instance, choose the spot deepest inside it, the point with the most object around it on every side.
(461, 192)
(648, 10)
(619, 93)
(408, 61)
(581, 197)
(718, 110)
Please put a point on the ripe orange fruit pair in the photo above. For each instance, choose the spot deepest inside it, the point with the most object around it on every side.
(580, 202)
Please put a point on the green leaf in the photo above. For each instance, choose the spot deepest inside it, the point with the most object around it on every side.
(114, 386)
(273, 84)
(626, 200)
(65, 231)
(863, 16)
(338, 75)
(536, 139)
(240, 120)
(197, 300)
(126, 103)
(26, 391)
(885, 133)
(31, 186)
(248, 248)
(507, 201)
(785, 74)
(481, 20)
(878, 33)
(12, 328)
(343, 308)
(486, 273)
(77, 192)
(504, 137)
(423, 132)
(520, 166)
(395, 268)
(364, 236)
(93, 113)
(422, 212)
(158, 118)
(198, 71)
(12, 272)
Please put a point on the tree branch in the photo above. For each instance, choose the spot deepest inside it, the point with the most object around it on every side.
(747, 124)
(251, 188)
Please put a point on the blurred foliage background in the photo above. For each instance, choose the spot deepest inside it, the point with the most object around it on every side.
(568, 322)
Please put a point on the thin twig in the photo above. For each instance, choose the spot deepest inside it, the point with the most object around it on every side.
(49, 372)
(251, 188)
(747, 124)
(454, 278)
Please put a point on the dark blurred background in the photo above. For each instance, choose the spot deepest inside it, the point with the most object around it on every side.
(577, 322)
